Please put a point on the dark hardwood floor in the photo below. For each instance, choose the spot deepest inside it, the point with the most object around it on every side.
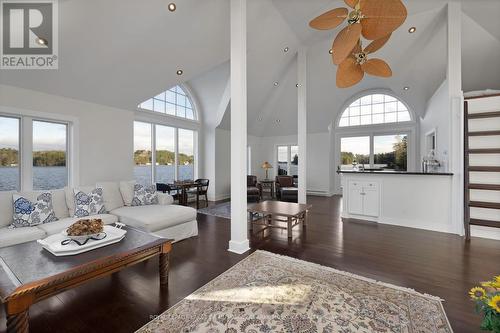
(430, 262)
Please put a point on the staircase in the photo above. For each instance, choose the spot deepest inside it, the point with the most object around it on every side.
(481, 163)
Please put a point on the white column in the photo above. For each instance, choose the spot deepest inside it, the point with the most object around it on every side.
(454, 76)
(302, 123)
(239, 230)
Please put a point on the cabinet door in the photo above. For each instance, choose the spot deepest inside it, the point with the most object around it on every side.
(371, 203)
(355, 198)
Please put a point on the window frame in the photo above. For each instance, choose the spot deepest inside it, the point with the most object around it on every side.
(359, 96)
(26, 118)
(289, 156)
(187, 92)
(176, 149)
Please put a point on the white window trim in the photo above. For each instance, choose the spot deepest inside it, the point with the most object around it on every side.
(176, 149)
(26, 118)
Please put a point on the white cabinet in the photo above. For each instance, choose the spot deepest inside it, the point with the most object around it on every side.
(364, 198)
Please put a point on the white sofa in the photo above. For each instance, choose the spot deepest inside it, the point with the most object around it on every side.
(164, 219)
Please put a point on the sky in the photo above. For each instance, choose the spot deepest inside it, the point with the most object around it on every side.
(46, 136)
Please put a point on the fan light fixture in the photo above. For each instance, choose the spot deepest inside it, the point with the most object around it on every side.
(180, 72)
(412, 30)
(172, 7)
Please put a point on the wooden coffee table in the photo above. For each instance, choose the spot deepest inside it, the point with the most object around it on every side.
(268, 212)
(28, 273)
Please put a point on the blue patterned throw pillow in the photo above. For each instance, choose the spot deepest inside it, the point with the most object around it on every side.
(29, 214)
(87, 204)
(144, 196)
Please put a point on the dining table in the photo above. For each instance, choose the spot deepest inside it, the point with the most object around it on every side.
(183, 187)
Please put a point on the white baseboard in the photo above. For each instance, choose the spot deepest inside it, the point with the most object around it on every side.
(485, 232)
(239, 247)
(319, 193)
(219, 197)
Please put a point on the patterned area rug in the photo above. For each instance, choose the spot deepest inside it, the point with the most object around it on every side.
(271, 293)
(221, 210)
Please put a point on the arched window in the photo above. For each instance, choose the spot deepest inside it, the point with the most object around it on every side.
(374, 109)
(175, 102)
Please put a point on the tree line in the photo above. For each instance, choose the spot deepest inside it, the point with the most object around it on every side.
(396, 159)
(9, 156)
(163, 157)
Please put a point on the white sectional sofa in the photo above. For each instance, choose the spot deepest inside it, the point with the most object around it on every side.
(164, 219)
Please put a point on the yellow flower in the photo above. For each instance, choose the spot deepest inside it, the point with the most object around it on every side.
(497, 278)
(495, 303)
(477, 293)
(487, 284)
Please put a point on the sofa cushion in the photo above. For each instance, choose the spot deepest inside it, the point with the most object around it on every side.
(29, 212)
(58, 226)
(89, 203)
(6, 208)
(127, 191)
(155, 217)
(70, 197)
(112, 195)
(253, 190)
(13, 236)
(144, 195)
(59, 204)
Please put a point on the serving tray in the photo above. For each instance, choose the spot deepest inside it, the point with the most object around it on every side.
(54, 246)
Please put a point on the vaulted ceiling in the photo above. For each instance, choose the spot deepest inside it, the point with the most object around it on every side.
(121, 52)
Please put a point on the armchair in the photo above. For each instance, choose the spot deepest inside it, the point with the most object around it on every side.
(254, 190)
(286, 189)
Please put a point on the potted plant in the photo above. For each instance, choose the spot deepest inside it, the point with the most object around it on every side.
(487, 298)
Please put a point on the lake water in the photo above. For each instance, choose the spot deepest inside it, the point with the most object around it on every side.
(46, 178)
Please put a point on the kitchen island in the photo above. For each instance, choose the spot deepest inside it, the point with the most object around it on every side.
(408, 199)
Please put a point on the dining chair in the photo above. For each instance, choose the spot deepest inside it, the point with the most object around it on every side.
(202, 190)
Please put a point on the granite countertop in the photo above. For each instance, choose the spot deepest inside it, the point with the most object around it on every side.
(389, 172)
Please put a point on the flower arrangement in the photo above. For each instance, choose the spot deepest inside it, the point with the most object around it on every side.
(487, 298)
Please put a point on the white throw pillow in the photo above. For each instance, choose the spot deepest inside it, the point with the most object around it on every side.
(111, 194)
(87, 204)
(127, 191)
(144, 196)
(29, 214)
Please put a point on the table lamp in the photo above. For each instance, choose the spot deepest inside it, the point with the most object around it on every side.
(266, 166)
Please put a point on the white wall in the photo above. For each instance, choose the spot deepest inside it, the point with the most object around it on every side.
(222, 164)
(318, 158)
(105, 142)
(437, 118)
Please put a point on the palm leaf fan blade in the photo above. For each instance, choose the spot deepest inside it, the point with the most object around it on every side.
(377, 44)
(381, 17)
(351, 3)
(345, 41)
(377, 67)
(330, 19)
(349, 73)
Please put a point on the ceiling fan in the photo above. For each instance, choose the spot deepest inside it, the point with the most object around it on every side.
(371, 19)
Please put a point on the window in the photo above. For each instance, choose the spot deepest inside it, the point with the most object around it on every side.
(142, 153)
(354, 151)
(389, 152)
(174, 153)
(9, 154)
(49, 155)
(36, 158)
(288, 160)
(174, 102)
(186, 154)
(374, 109)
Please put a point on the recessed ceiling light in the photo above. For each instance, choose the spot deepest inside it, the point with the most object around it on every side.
(260, 118)
(286, 49)
(330, 51)
(297, 85)
(276, 83)
(277, 120)
(41, 41)
(406, 88)
(412, 30)
(180, 72)
(172, 7)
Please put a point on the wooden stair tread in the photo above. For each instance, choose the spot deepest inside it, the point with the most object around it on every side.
(485, 223)
(493, 114)
(484, 204)
(483, 133)
(485, 168)
(484, 151)
(489, 187)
